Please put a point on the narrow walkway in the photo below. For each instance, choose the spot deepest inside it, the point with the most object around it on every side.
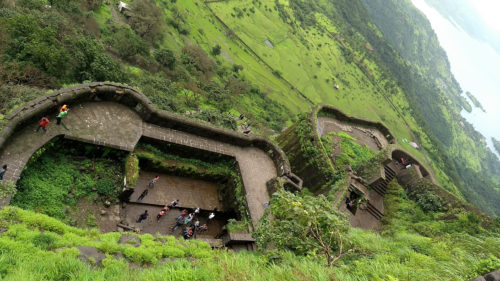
(115, 125)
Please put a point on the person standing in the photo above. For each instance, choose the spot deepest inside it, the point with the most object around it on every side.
(143, 216)
(178, 222)
(63, 108)
(188, 219)
(3, 171)
(160, 214)
(61, 115)
(154, 181)
(211, 217)
(43, 124)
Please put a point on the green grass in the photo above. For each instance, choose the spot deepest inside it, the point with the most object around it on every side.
(52, 174)
(296, 54)
(413, 245)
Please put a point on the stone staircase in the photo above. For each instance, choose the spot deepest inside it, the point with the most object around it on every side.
(381, 186)
(374, 211)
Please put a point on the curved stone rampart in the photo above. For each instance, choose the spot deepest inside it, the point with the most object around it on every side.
(341, 116)
(146, 109)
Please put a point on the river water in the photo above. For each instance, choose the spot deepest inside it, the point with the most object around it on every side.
(476, 66)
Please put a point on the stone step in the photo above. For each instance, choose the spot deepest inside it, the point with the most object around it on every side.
(380, 188)
(374, 211)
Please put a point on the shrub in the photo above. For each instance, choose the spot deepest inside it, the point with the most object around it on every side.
(305, 224)
(146, 19)
(43, 241)
(216, 50)
(125, 42)
(195, 59)
(7, 188)
(165, 57)
(105, 187)
(132, 169)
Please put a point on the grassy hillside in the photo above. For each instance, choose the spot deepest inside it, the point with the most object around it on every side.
(415, 245)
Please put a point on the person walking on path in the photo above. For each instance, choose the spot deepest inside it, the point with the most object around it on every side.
(178, 222)
(143, 216)
(43, 124)
(60, 116)
(3, 171)
(154, 181)
(63, 108)
(143, 194)
(160, 214)
(173, 204)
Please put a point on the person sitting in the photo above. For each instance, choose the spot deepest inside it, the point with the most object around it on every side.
(143, 216)
(202, 228)
(349, 202)
(196, 224)
(174, 203)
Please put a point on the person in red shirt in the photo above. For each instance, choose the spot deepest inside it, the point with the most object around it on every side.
(43, 124)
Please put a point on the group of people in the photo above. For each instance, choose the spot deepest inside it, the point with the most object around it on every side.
(187, 220)
(163, 211)
(44, 122)
(404, 163)
(190, 227)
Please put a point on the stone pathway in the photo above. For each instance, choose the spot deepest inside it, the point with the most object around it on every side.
(117, 126)
(190, 192)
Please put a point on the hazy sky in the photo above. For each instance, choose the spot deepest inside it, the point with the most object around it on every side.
(489, 10)
(474, 63)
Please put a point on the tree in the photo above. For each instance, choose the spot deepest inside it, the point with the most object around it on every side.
(165, 57)
(216, 50)
(304, 224)
(146, 20)
(125, 42)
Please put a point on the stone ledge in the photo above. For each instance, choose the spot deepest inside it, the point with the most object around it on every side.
(147, 110)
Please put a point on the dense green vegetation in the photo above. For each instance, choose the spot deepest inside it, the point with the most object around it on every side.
(63, 172)
(268, 60)
(496, 144)
(351, 153)
(428, 79)
(414, 244)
